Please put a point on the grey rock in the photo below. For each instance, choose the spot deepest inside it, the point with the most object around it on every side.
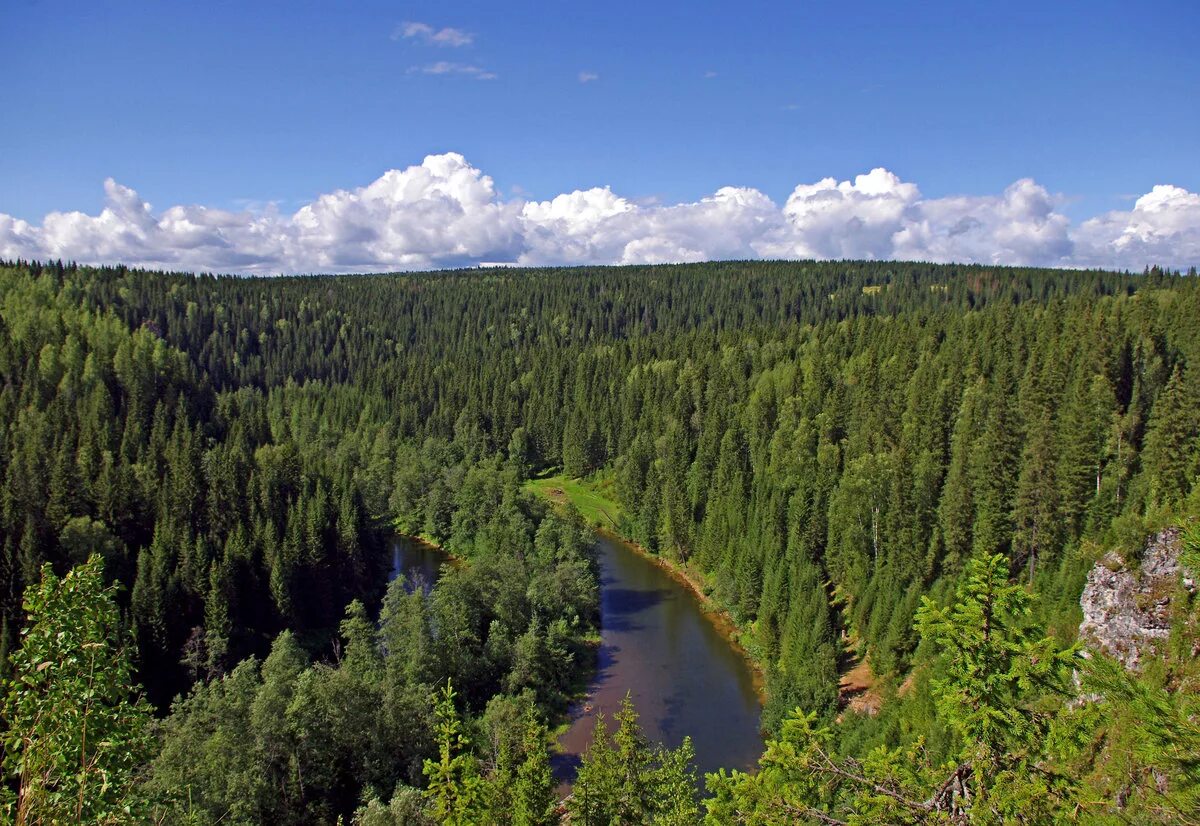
(1127, 614)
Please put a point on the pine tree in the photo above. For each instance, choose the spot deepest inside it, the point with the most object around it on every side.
(217, 626)
(993, 470)
(455, 792)
(992, 666)
(1089, 410)
(275, 738)
(626, 782)
(632, 761)
(993, 659)
(575, 459)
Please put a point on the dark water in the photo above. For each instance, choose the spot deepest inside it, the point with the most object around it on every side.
(684, 676)
(417, 560)
(656, 643)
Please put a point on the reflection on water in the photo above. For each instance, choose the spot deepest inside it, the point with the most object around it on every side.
(656, 643)
(683, 675)
(418, 561)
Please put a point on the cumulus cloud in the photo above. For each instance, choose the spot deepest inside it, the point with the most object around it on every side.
(1019, 226)
(598, 227)
(19, 239)
(831, 219)
(426, 33)
(1163, 226)
(444, 212)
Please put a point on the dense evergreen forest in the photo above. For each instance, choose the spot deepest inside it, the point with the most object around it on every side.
(836, 448)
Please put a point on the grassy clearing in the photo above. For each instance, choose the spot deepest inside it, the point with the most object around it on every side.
(589, 496)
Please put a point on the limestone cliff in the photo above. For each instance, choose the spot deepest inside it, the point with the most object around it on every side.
(1127, 612)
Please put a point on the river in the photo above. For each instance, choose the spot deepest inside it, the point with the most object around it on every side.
(416, 560)
(656, 643)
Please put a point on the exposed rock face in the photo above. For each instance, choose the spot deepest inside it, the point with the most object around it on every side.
(1126, 614)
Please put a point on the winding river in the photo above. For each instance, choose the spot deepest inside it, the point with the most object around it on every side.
(656, 643)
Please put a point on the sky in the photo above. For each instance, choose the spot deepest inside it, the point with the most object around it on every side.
(271, 137)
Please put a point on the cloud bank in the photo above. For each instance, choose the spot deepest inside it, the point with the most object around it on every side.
(447, 213)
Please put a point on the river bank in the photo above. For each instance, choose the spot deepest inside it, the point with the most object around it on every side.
(420, 559)
(662, 640)
(659, 647)
(602, 513)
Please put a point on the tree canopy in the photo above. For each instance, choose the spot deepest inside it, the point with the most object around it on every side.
(832, 448)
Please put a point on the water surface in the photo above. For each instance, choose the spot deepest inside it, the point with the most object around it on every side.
(684, 676)
(656, 643)
(417, 560)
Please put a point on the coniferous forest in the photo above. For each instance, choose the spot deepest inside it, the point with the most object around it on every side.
(904, 468)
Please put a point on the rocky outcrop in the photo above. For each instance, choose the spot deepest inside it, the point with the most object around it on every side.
(1127, 613)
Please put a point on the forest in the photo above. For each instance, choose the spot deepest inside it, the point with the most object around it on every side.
(865, 462)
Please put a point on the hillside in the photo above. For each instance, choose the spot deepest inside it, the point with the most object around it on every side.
(828, 444)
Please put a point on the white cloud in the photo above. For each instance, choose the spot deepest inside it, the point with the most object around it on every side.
(445, 212)
(18, 239)
(427, 34)
(588, 77)
(446, 67)
(599, 227)
(710, 74)
(1163, 226)
(829, 219)
(127, 230)
(1019, 226)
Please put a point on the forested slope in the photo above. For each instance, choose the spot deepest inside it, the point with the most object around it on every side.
(828, 441)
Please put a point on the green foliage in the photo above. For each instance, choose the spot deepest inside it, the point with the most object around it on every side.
(1136, 744)
(406, 808)
(998, 689)
(1189, 556)
(800, 779)
(298, 740)
(76, 735)
(993, 659)
(236, 450)
(520, 786)
(455, 792)
(627, 781)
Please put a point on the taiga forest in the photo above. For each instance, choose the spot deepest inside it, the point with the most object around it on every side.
(892, 483)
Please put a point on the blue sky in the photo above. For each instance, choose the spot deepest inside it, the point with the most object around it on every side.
(234, 105)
